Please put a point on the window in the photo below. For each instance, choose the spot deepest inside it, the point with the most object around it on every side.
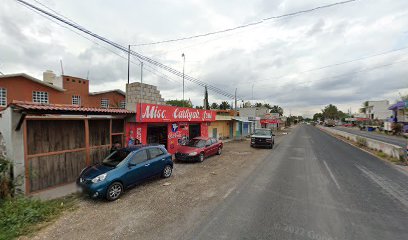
(40, 97)
(76, 100)
(155, 152)
(123, 104)
(208, 142)
(104, 103)
(139, 157)
(3, 97)
(213, 140)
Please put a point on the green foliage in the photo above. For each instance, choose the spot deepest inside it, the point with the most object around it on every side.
(179, 103)
(6, 183)
(258, 104)
(199, 107)
(215, 106)
(206, 102)
(19, 216)
(225, 105)
(318, 116)
(276, 109)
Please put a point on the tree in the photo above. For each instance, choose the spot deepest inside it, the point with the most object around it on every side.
(258, 104)
(199, 107)
(247, 104)
(206, 103)
(318, 116)
(215, 106)
(330, 112)
(276, 109)
(179, 103)
(266, 105)
(225, 105)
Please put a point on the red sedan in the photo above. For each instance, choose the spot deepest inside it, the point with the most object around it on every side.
(199, 148)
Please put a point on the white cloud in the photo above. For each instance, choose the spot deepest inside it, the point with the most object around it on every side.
(273, 56)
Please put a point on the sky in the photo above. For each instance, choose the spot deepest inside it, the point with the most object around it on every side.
(280, 62)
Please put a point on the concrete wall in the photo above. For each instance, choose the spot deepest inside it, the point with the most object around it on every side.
(13, 142)
(150, 94)
(388, 149)
(223, 128)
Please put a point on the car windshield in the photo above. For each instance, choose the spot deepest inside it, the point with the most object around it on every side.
(198, 143)
(115, 158)
(263, 132)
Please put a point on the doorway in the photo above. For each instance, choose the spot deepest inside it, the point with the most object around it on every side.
(157, 134)
(194, 131)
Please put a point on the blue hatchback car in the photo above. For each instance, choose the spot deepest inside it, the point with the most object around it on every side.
(124, 168)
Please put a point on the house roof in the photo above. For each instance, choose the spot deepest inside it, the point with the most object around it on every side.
(65, 108)
(107, 91)
(32, 79)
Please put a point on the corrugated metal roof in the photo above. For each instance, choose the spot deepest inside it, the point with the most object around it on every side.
(66, 108)
(107, 91)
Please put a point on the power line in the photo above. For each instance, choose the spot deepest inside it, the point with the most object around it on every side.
(248, 24)
(356, 72)
(340, 63)
(124, 49)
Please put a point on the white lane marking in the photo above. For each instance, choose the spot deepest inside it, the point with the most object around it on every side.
(331, 175)
(389, 186)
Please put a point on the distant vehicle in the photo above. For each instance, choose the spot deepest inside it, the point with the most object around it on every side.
(199, 148)
(330, 123)
(263, 137)
(347, 125)
(125, 168)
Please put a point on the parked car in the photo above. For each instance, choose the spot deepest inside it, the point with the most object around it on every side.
(125, 168)
(263, 137)
(199, 148)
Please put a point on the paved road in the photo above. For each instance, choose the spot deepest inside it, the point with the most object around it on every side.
(399, 141)
(313, 186)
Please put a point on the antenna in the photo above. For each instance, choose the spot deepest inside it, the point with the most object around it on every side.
(62, 68)
(87, 75)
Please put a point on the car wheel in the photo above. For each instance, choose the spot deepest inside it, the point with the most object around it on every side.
(114, 191)
(167, 171)
(201, 157)
(219, 151)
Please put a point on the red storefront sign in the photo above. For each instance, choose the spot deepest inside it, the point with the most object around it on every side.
(162, 113)
(270, 121)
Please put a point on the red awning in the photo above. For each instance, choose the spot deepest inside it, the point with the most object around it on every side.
(270, 121)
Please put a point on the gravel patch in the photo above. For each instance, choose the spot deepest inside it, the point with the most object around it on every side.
(161, 208)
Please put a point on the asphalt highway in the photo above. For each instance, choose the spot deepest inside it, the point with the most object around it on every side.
(313, 186)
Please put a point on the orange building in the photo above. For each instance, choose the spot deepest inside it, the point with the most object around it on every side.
(56, 90)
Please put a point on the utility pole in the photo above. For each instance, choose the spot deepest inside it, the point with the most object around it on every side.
(129, 64)
(235, 99)
(184, 62)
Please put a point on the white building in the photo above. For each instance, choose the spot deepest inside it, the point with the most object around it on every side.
(377, 110)
(254, 114)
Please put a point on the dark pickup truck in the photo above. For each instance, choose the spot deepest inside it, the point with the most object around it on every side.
(263, 137)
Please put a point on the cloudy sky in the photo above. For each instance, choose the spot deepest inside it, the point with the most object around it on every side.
(282, 60)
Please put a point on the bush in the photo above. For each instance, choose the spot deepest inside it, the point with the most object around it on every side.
(19, 215)
(6, 182)
(361, 142)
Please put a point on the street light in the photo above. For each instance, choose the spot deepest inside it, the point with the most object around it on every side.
(141, 78)
(184, 62)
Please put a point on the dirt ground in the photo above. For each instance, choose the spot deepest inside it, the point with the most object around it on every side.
(161, 208)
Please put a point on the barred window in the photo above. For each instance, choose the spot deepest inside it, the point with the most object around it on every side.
(76, 100)
(40, 97)
(3, 97)
(105, 103)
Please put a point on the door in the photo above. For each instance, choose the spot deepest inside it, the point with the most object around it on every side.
(214, 133)
(137, 168)
(157, 160)
(208, 148)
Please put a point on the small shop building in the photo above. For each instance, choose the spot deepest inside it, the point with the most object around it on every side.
(49, 144)
(168, 125)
